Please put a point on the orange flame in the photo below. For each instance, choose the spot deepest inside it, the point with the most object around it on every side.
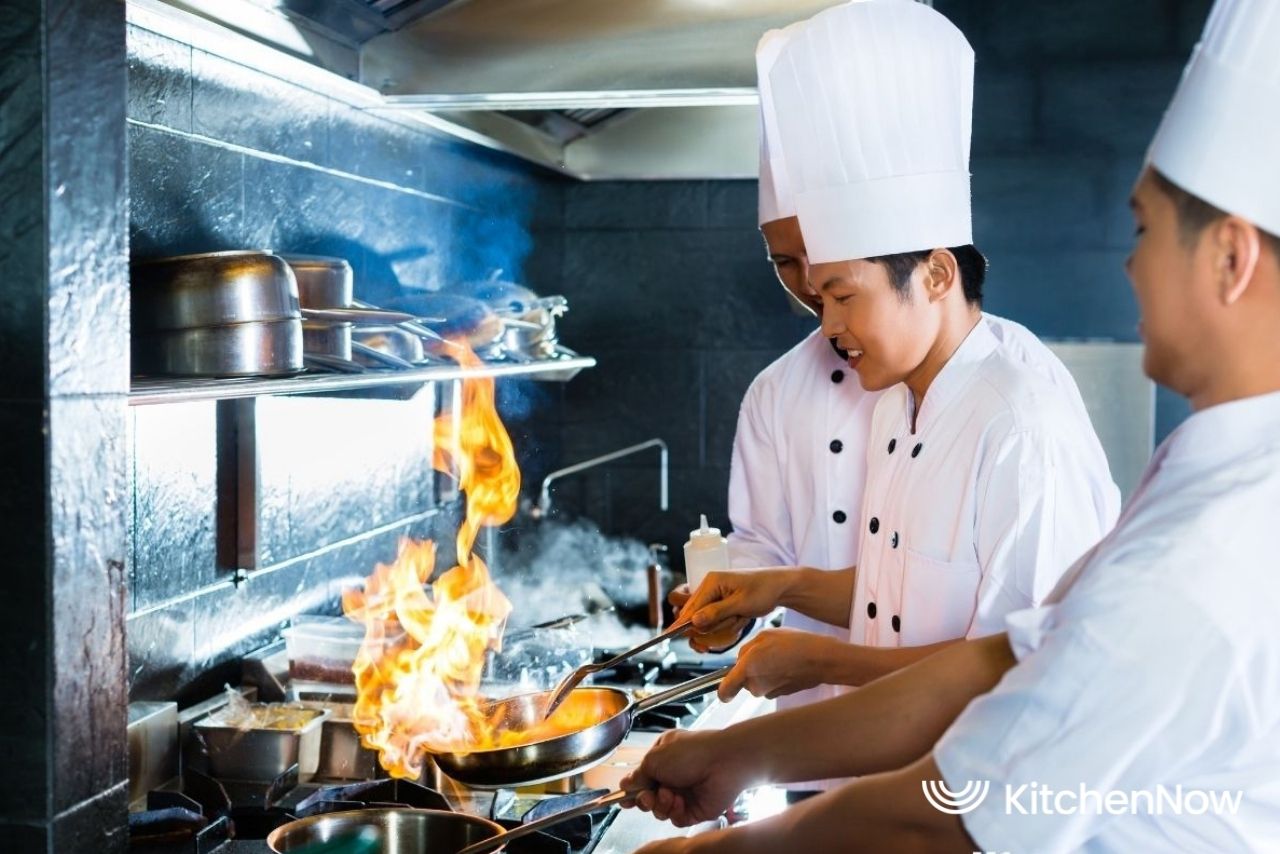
(418, 671)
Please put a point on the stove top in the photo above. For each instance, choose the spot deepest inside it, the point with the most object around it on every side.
(199, 814)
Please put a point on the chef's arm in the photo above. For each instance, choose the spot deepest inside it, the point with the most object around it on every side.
(843, 663)
(881, 812)
(884, 725)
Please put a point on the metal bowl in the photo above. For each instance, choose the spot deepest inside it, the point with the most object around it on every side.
(323, 282)
(212, 289)
(402, 831)
(242, 350)
(327, 339)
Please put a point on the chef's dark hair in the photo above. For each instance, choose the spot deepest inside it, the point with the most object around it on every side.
(1195, 214)
(971, 262)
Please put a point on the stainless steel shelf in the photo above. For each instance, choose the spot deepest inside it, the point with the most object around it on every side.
(145, 392)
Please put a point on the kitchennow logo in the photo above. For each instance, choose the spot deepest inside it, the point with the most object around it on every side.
(967, 799)
(1039, 799)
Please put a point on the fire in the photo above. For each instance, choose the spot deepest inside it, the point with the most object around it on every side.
(418, 671)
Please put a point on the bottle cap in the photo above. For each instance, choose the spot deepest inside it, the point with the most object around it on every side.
(704, 531)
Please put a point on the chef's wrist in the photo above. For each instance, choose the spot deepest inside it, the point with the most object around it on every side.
(793, 585)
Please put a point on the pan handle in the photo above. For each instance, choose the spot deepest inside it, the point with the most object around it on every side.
(681, 691)
(495, 842)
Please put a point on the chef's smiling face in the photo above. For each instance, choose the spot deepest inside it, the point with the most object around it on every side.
(1164, 269)
(786, 250)
(887, 333)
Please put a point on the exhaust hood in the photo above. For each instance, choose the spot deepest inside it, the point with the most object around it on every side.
(596, 89)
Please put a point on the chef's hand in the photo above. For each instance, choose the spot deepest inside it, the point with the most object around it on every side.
(688, 777)
(704, 642)
(724, 599)
(777, 662)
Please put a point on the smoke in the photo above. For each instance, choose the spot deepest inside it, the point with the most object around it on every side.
(554, 570)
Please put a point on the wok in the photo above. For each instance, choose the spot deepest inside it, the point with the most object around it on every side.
(584, 731)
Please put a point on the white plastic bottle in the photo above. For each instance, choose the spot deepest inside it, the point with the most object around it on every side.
(705, 552)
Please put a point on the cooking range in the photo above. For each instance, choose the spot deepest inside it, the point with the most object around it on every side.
(199, 813)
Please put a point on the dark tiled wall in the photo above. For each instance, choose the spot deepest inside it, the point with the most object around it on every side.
(225, 157)
(670, 289)
(63, 275)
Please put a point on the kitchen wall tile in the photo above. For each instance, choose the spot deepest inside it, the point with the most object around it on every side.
(405, 241)
(27, 838)
(633, 396)
(167, 174)
(544, 269)
(87, 529)
(733, 204)
(159, 80)
(84, 197)
(1107, 106)
(663, 289)
(1032, 201)
(22, 215)
(1085, 29)
(161, 647)
(1005, 103)
(637, 205)
(236, 104)
(24, 527)
(95, 825)
(175, 525)
(1064, 294)
(300, 210)
(374, 147)
(486, 245)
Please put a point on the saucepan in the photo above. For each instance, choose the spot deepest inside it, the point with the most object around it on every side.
(414, 831)
(586, 728)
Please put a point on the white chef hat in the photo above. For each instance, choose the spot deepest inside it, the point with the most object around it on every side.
(874, 104)
(776, 199)
(1220, 138)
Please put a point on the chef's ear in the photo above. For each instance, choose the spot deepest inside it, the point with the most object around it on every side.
(941, 274)
(1237, 246)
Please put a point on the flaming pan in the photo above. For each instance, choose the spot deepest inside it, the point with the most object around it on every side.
(582, 732)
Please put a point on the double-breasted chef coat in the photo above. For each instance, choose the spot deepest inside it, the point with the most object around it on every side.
(976, 506)
(801, 453)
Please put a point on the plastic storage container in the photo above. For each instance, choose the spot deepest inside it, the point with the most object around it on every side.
(323, 649)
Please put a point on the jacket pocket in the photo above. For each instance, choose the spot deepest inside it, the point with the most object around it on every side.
(938, 598)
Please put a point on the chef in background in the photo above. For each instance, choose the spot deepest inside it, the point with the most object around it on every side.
(1000, 481)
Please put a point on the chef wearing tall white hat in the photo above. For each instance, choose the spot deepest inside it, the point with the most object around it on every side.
(980, 492)
(1153, 671)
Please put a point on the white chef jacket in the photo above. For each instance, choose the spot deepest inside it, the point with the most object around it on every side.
(800, 457)
(977, 513)
(1155, 663)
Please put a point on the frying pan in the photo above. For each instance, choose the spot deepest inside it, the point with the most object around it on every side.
(563, 744)
(413, 831)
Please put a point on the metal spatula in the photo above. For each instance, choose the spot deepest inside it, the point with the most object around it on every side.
(571, 681)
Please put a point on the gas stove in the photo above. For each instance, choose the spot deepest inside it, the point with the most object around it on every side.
(199, 814)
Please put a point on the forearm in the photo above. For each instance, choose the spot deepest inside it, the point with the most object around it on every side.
(855, 664)
(825, 595)
(882, 812)
(883, 725)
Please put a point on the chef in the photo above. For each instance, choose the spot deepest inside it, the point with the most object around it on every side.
(979, 492)
(1154, 665)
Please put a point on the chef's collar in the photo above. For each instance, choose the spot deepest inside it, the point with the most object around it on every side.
(955, 374)
(1224, 431)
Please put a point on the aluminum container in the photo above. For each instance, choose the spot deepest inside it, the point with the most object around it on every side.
(262, 753)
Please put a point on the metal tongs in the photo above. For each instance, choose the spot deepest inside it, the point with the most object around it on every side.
(571, 681)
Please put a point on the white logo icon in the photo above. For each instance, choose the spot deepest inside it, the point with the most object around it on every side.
(967, 799)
